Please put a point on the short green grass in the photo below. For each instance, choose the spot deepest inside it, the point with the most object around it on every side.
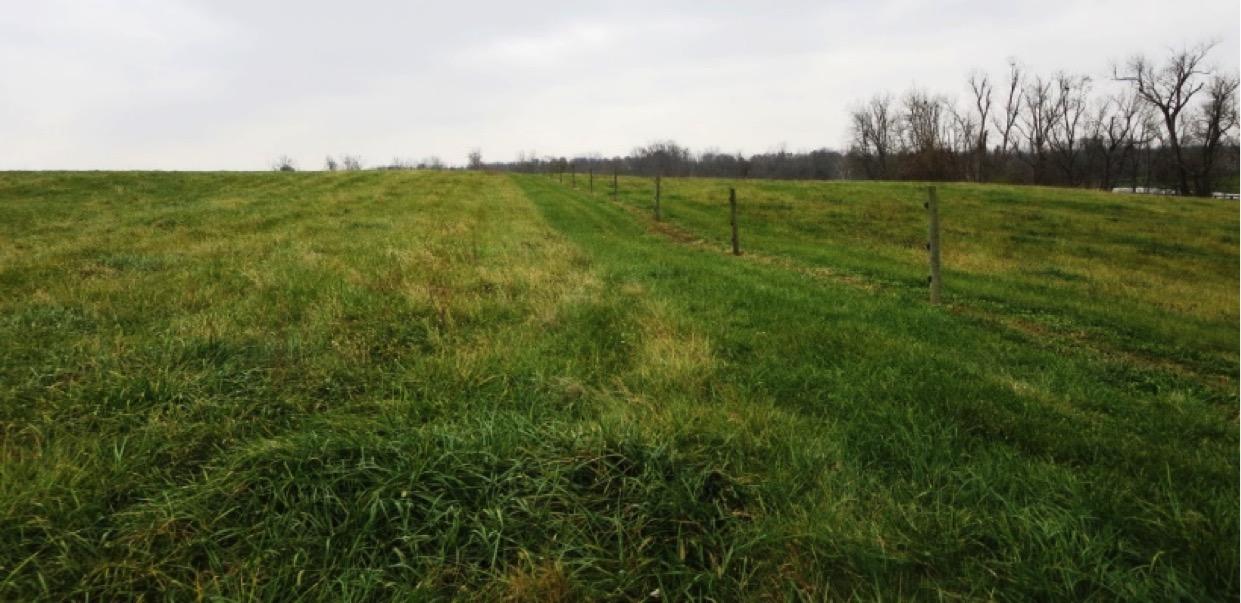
(480, 386)
(1153, 278)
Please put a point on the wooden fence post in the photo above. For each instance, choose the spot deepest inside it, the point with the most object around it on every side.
(658, 216)
(592, 180)
(573, 175)
(932, 213)
(732, 208)
(615, 189)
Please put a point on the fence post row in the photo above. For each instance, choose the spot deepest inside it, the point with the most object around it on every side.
(932, 246)
(732, 209)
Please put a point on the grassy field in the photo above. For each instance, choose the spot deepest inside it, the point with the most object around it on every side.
(421, 385)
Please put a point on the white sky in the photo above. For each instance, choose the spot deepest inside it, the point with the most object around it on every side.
(232, 84)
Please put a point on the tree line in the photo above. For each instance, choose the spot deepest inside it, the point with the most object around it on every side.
(667, 158)
(1168, 124)
(353, 163)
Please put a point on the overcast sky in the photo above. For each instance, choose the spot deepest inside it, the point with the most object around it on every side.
(232, 84)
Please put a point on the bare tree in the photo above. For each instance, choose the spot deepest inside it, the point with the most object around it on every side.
(923, 128)
(1037, 122)
(1212, 127)
(980, 85)
(661, 158)
(284, 163)
(350, 163)
(875, 134)
(1070, 110)
(1146, 135)
(330, 164)
(922, 120)
(1113, 132)
(1007, 122)
(1169, 88)
(962, 141)
(476, 159)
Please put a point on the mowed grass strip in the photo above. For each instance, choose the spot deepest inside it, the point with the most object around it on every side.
(1151, 279)
(449, 385)
(949, 457)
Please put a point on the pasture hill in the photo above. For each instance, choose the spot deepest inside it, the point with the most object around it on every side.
(466, 385)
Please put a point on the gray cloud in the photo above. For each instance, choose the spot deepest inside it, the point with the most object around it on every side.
(226, 84)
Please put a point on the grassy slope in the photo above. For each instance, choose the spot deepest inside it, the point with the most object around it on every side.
(375, 385)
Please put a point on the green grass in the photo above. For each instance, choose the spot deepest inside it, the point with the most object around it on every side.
(1151, 278)
(482, 386)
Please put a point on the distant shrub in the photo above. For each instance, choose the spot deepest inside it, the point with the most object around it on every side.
(284, 164)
